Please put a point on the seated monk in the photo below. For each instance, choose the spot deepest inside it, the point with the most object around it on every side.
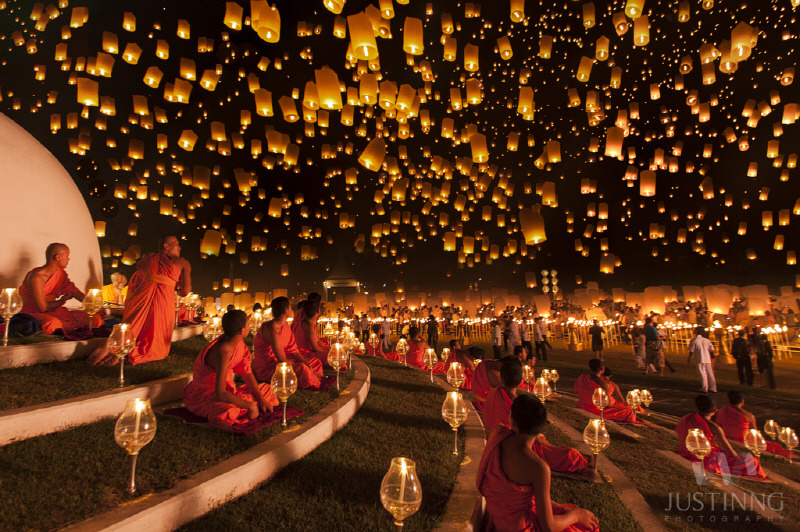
(462, 356)
(516, 482)
(723, 460)
(617, 409)
(212, 393)
(116, 292)
(521, 353)
(735, 421)
(416, 349)
(485, 377)
(274, 343)
(498, 409)
(379, 350)
(150, 306)
(44, 292)
(304, 331)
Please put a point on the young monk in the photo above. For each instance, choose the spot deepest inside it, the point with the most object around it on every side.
(735, 421)
(304, 331)
(723, 459)
(463, 357)
(212, 393)
(617, 409)
(274, 343)
(416, 349)
(516, 482)
(44, 292)
(498, 409)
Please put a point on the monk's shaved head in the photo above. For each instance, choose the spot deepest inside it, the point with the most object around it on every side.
(529, 414)
(53, 250)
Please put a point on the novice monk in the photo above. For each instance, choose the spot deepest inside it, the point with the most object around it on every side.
(416, 349)
(212, 393)
(585, 386)
(274, 343)
(462, 357)
(516, 482)
(485, 377)
(498, 409)
(44, 292)
(304, 331)
(723, 459)
(735, 421)
(150, 307)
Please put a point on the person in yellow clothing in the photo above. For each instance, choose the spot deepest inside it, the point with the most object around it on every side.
(117, 291)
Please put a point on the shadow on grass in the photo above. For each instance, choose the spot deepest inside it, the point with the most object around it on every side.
(405, 420)
(405, 386)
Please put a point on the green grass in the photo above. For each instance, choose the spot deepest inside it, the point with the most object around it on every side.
(42, 383)
(655, 477)
(53, 480)
(336, 487)
(39, 339)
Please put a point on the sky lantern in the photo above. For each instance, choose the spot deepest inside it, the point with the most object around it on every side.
(88, 92)
(641, 31)
(471, 54)
(413, 42)
(647, 183)
(584, 69)
(265, 20)
(330, 95)
(517, 10)
(474, 91)
(614, 138)
(588, 15)
(532, 225)
(373, 155)
(545, 46)
(634, 8)
(362, 37)
(504, 48)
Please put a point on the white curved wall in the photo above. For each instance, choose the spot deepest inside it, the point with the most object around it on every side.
(39, 204)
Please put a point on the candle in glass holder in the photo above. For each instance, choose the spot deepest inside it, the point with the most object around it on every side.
(401, 491)
(788, 437)
(697, 444)
(454, 412)
(528, 374)
(337, 357)
(600, 400)
(647, 398)
(284, 384)
(430, 359)
(455, 375)
(771, 428)
(755, 442)
(402, 349)
(135, 428)
(541, 389)
(10, 305)
(554, 378)
(634, 399)
(445, 354)
(596, 437)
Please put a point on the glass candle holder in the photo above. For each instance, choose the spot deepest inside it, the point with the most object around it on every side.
(454, 412)
(284, 384)
(455, 375)
(135, 428)
(755, 442)
(600, 400)
(596, 437)
(401, 491)
(430, 359)
(541, 389)
(121, 341)
(10, 305)
(697, 444)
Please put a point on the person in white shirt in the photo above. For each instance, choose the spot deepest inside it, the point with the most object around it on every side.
(386, 334)
(497, 339)
(702, 349)
(513, 335)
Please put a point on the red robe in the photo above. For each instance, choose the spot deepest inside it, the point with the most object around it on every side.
(480, 386)
(442, 367)
(265, 361)
(415, 356)
(150, 307)
(615, 411)
(199, 396)
(716, 462)
(559, 458)
(304, 343)
(735, 426)
(510, 507)
(74, 324)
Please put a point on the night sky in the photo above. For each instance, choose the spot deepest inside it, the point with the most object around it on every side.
(694, 135)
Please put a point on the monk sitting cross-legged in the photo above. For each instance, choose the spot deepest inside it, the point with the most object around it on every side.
(274, 343)
(587, 383)
(735, 421)
(485, 377)
(498, 409)
(416, 349)
(44, 292)
(304, 331)
(723, 459)
(516, 482)
(212, 393)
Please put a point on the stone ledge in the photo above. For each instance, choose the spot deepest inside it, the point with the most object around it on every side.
(27, 355)
(36, 420)
(235, 476)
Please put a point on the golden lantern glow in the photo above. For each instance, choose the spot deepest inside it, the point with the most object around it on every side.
(634, 8)
(647, 183)
(532, 226)
(517, 10)
(584, 69)
(480, 152)
(334, 6)
(265, 20)
(373, 155)
(588, 15)
(641, 31)
(504, 48)
(471, 55)
(412, 36)
(362, 38)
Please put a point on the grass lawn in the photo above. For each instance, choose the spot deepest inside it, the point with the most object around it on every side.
(42, 383)
(53, 480)
(336, 487)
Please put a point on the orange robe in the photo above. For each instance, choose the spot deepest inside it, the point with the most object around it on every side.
(304, 342)
(415, 356)
(510, 507)
(735, 426)
(442, 367)
(560, 458)
(717, 462)
(200, 398)
(265, 361)
(150, 307)
(110, 295)
(615, 411)
(480, 386)
(74, 324)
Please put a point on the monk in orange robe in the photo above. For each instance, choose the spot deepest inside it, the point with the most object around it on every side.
(485, 377)
(416, 349)
(213, 394)
(116, 292)
(498, 410)
(586, 384)
(463, 357)
(723, 460)
(516, 482)
(735, 421)
(304, 331)
(44, 292)
(274, 343)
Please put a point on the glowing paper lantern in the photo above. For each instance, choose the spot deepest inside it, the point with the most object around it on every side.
(634, 8)
(362, 38)
(412, 36)
(647, 183)
(373, 155)
(265, 20)
(641, 31)
(532, 226)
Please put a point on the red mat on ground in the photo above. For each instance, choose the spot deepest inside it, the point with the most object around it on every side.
(245, 429)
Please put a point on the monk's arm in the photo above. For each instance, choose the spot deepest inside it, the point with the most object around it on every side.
(272, 339)
(251, 383)
(311, 334)
(186, 278)
(539, 474)
(220, 360)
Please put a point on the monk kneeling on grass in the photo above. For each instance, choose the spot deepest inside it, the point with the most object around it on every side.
(587, 383)
(723, 460)
(516, 482)
(212, 393)
(498, 410)
(735, 421)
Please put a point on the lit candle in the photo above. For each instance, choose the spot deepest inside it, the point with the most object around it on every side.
(283, 375)
(139, 408)
(403, 473)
